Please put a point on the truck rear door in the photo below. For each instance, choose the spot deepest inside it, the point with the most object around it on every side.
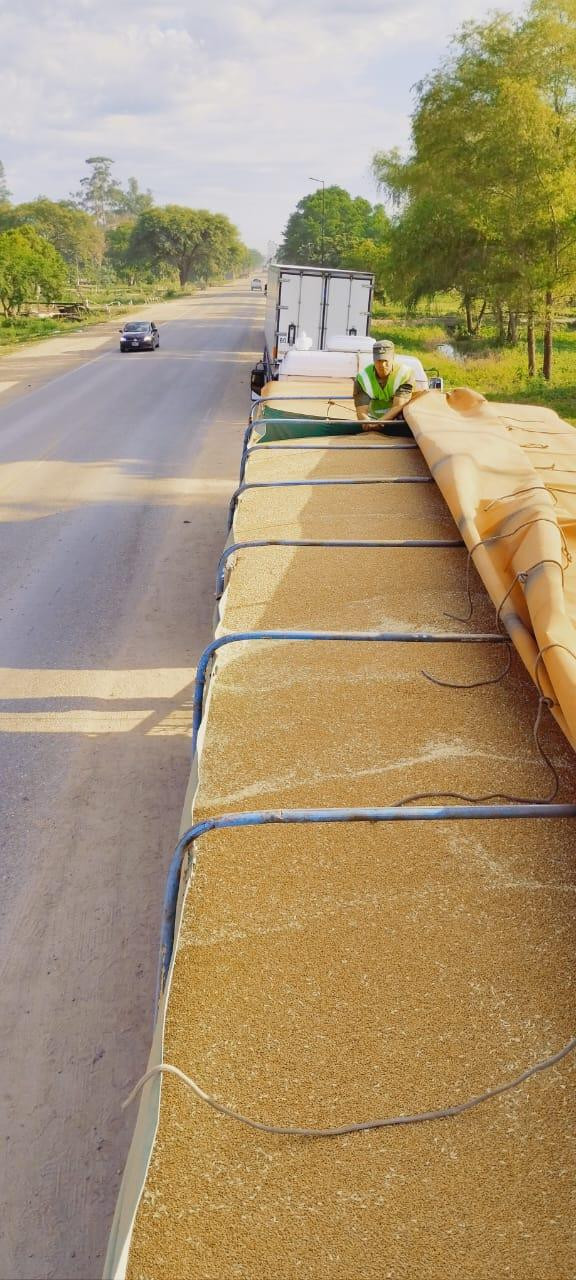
(337, 306)
(299, 309)
(360, 306)
(310, 309)
(288, 308)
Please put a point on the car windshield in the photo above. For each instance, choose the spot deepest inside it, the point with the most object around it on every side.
(139, 326)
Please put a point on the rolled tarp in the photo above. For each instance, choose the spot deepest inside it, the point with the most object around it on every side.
(508, 474)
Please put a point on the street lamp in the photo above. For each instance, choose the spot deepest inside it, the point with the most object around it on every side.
(322, 232)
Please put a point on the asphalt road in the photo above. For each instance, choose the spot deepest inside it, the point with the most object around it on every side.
(115, 475)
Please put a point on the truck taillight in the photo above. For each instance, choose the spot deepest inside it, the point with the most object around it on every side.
(275, 353)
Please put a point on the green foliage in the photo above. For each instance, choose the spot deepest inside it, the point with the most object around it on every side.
(198, 244)
(133, 202)
(29, 268)
(119, 256)
(23, 328)
(368, 255)
(99, 194)
(104, 199)
(486, 200)
(327, 226)
(71, 231)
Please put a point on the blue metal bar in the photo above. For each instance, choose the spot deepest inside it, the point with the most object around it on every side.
(295, 484)
(366, 637)
(325, 542)
(169, 905)
(259, 818)
(245, 445)
(308, 417)
(328, 448)
(346, 448)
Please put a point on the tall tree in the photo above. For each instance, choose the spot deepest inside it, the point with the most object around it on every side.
(99, 194)
(328, 225)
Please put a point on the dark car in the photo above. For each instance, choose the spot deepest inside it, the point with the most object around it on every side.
(139, 335)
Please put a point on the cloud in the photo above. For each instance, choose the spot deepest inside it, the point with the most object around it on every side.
(230, 107)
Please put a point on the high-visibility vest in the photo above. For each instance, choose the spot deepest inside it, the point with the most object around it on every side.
(384, 394)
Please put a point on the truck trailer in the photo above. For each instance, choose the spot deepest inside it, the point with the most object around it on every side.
(316, 302)
(364, 1040)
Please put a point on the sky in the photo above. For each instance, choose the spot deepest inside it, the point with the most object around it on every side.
(231, 107)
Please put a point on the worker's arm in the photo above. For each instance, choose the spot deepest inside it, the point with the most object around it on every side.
(362, 403)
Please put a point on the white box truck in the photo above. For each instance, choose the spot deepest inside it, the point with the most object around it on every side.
(316, 301)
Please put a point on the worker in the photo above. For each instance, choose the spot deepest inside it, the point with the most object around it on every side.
(383, 388)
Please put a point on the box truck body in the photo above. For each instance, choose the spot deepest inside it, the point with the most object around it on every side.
(316, 301)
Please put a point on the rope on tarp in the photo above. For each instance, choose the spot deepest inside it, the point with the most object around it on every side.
(336, 1131)
(554, 644)
(521, 578)
(518, 493)
(498, 537)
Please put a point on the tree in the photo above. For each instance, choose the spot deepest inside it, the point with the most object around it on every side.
(99, 194)
(29, 267)
(493, 169)
(221, 251)
(71, 231)
(373, 257)
(4, 192)
(105, 200)
(194, 242)
(119, 251)
(133, 201)
(332, 219)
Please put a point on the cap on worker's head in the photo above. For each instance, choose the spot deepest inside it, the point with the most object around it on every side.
(383, 350)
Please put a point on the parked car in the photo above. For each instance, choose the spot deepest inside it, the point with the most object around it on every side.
(139, 335)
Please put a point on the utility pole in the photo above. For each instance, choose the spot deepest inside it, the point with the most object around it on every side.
(321, 180)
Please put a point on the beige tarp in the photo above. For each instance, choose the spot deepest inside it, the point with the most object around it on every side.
(508, 474)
